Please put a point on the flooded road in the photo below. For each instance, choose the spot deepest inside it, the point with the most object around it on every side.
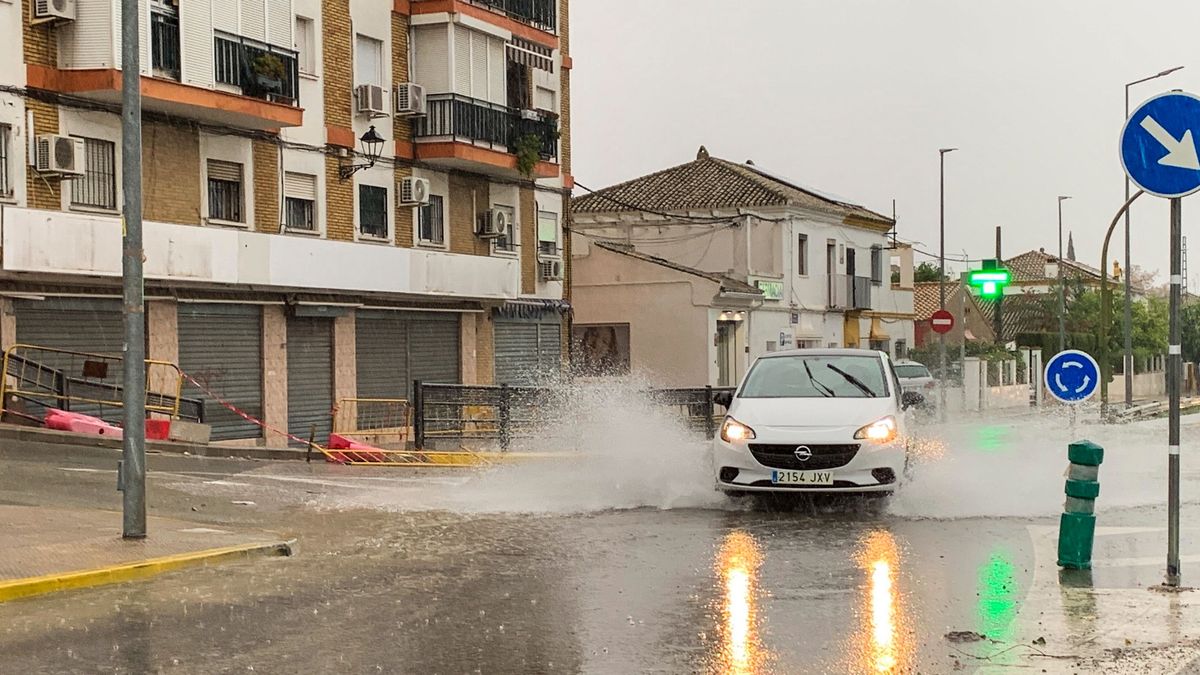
(460, 573)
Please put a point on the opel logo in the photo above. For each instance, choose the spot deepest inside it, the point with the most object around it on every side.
(803, 453)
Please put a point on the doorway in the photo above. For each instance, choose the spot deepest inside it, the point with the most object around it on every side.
(726, 353)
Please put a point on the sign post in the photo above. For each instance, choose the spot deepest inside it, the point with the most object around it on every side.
(1158, 152)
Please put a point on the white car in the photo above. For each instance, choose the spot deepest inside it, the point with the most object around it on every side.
(914, 376)
(818, 420)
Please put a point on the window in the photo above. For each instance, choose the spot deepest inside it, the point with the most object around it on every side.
(368, 53)
(547, 233)
(816, 376)
(373, 211)
(509, 241)
(802, 255)
(299, 201)
(6, 189)
(431, 222)
(97, 188)
(225, 191)
(902, 351)
(306, 45)
(543, 99)
(877, 265)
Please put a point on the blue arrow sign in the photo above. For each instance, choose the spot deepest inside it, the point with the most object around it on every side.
(1158, 145)
(1072, 376)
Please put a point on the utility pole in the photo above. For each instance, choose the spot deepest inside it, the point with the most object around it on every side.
(133, 395)
(999, 298)
(1062, 291)
(942, 278)
(1174, 375)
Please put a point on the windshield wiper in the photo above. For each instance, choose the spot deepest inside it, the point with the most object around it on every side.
(852, 380)
(825, 391)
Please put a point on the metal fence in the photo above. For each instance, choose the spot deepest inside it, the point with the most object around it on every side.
(455, 116)
(259, 69)
(454, 414)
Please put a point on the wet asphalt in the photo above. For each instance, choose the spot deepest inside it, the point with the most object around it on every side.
(825, 585)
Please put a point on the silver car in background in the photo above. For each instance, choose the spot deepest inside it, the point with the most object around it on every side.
(915, 377)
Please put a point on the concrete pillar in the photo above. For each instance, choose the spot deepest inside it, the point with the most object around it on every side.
(162, 319)
(469, 349)
(345, 358)
(8, 324)
(485, 348)
(974, 381)
(274, 344)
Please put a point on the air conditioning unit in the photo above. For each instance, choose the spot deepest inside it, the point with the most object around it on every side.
(531, 115)
(552, 270)
(497, 223)
(413, 191)
(370, 100)
(52, 10)
(410, 99)
(59, 154)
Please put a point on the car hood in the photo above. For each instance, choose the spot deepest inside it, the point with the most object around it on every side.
(791, 413)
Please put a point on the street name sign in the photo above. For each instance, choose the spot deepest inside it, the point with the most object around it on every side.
(1158, 145)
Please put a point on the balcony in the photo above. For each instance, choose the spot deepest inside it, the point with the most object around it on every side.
(540, 14)
(164, 42)
(462, 130)
(849, 292)
(260, 70)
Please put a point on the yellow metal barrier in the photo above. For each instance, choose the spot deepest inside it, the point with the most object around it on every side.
(81, 382)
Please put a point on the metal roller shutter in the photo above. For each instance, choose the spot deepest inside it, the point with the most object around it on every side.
(221, 346)
(310, 376)
(395, 348)
(550, 347)
(527, 351)
(74, 324)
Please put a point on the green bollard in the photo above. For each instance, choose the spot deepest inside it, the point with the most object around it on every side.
(1077, 528)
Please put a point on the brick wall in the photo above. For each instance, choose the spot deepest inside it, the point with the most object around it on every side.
(266, 186)
(338, 66)
(564, 91)
(171, 174)
(528, 217)
(41, 47)
(468, 196)
(339, 203)
(43, 190)
(485, 348)
(401, 127)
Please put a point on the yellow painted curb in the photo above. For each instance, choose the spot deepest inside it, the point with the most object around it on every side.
(142, 569)
(448, 459)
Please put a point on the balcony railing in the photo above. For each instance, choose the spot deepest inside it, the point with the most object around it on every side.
(462, 117)
(849, 292)
(541, 14)
(260, 70)
(164, 42)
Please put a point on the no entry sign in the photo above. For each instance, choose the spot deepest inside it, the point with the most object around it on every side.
(942, 321)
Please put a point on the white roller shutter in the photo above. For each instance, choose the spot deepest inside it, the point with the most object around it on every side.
(87, 42)
(462, 61)
(280, 22)
(497, 71)
(432, 56)
(143, 33)
(227, 171)
(226, 16)
(254, 20)
(300, 185)
(479, 66)
(196, 36)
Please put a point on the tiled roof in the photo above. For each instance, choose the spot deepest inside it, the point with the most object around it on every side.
(1031, 266)
(712, 183)
(927, 300)
(727, 283)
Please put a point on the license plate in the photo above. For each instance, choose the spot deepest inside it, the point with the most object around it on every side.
(802, 477)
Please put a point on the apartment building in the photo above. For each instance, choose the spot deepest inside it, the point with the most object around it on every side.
(340, 196)
(686, 275)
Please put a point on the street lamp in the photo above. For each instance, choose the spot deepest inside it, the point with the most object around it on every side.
(942, 276)
(372, 148)
(1062, 294)
(1127, 323)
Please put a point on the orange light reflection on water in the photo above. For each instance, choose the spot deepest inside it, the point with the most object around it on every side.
(883, 646)
(740, 650)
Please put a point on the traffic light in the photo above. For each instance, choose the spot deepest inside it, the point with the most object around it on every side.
(990, 280)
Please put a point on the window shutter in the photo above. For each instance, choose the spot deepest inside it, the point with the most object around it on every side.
(497, 71)
(300, 186)
(462, 61)
(227, 171)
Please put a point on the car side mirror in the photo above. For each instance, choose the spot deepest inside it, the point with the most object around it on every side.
(910, 398)
(723, 399)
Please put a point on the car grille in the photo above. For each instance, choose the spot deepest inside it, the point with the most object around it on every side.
(784, 456)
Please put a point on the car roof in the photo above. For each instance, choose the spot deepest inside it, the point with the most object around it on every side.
(824, 352)
(908, 362)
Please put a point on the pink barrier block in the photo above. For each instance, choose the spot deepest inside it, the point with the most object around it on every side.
(80, 424)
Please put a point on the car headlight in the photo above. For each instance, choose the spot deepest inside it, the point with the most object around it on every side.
(879, 431)
(733, 431)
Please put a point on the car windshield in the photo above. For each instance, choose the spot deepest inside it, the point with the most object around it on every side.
(816, 376)
(911, 370)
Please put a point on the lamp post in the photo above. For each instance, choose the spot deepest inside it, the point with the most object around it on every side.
(1062, 291)
(372, 148)
(942, 276)
(1127, 322)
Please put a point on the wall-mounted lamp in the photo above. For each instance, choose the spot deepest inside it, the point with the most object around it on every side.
(372, 148)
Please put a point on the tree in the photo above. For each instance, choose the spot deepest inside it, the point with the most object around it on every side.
(927, 271)
(1189, 318)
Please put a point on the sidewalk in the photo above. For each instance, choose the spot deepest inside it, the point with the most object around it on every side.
(54, 549)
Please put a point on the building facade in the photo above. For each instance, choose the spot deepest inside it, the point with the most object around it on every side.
(817, 270)
(287, 267)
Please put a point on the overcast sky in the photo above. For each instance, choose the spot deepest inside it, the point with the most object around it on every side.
(856, 96)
